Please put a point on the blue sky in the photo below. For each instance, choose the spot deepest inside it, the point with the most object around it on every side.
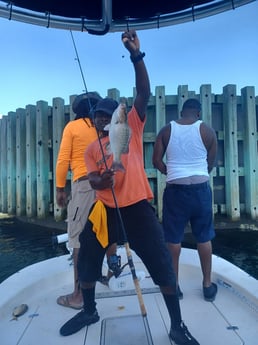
(39, 63)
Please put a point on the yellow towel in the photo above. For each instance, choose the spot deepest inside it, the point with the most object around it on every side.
(98, 217)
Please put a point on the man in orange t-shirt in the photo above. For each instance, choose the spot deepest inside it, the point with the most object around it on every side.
(132, 192)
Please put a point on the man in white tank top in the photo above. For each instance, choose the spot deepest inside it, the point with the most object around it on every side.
(190, 147)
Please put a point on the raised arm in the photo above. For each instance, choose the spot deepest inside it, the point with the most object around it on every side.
(142, 83)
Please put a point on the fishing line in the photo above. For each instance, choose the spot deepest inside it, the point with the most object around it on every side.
(80, 67)
(79, 62)
(32, 316)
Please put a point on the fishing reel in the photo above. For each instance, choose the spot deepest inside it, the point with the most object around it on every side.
(114, 264)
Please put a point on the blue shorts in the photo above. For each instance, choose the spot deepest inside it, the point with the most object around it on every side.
(188, 203)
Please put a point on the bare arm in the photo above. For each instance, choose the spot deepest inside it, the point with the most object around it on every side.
(97, 179)
(62, 166)
(210, 141)
(132, 44)
(160, 147)
(101, 181)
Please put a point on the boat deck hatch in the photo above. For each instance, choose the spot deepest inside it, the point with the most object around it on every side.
(125, 330)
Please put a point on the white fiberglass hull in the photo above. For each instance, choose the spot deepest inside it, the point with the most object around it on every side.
(231, 319)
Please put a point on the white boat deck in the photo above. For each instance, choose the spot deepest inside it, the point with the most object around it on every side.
(231, 319)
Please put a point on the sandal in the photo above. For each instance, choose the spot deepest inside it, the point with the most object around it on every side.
(65, 302)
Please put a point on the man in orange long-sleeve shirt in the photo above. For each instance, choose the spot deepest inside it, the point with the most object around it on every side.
(77, 135)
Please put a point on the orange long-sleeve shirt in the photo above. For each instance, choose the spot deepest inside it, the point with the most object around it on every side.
(77, 135)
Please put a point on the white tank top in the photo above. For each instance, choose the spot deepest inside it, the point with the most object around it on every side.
(186, 154)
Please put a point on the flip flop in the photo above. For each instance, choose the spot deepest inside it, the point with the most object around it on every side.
(64, 301)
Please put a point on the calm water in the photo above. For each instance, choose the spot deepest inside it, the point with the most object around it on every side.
(22, 245)
(25, 244)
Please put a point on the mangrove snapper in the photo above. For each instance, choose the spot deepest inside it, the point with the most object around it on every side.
(119, 136)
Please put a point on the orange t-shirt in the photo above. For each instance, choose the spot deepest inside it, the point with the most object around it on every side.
(77, 135)
(132, 185)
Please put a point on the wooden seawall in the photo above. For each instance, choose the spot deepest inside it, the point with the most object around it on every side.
(30, 139)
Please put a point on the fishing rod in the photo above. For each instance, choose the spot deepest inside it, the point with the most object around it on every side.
(126, 244)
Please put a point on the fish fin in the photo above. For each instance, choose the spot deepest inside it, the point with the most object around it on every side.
(126, 149)
(14, 318)
(117, 166)
(108, 149)
(107, 127)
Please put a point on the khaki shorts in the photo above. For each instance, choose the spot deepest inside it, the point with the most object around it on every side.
(82, 198)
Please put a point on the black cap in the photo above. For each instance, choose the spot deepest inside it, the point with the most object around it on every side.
(107, 106)
(84, 102)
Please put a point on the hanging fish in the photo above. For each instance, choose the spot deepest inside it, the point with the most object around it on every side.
(19, 310)
(119, 136)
